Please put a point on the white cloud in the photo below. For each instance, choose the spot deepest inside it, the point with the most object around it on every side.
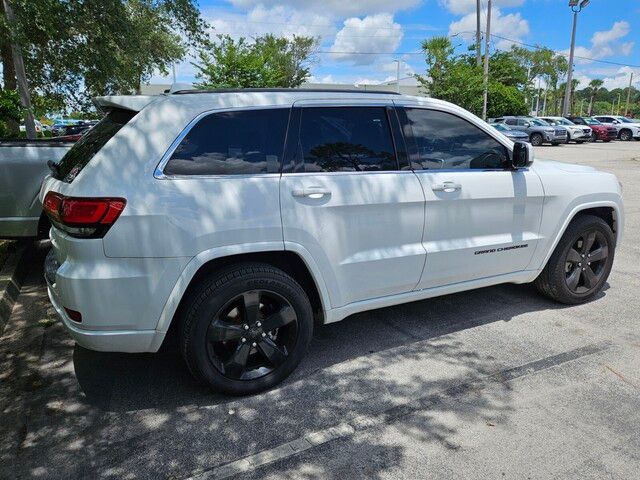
(606, 43)
(511, 25)
(613, 77)
(372, 34)
(279, 20)
(339, 8)
(463, 7)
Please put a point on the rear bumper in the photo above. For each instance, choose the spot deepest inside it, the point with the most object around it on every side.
(120, 299)
(130, 341)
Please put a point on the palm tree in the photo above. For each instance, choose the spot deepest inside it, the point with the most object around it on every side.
(594, 85)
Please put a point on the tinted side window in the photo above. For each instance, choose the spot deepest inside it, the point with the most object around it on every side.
(511, 121)
(446, 141)
(346, 139)
(229, 143)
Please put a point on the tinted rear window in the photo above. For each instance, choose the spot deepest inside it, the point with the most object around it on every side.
(90, 143)
(346, 139)
(232, 143)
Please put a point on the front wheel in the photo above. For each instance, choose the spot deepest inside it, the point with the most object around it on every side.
(246, 328)
(581, 263)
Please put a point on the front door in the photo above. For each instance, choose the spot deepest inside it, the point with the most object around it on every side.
(481, 220)
(346, 202)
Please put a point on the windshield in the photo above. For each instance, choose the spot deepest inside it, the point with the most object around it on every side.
(90, 143)
(624, 120)
(538, 122)
(564, 121)
(592, 121)
(501, 127)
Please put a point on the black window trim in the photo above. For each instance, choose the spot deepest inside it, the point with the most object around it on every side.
(159, 170)
(413, 148)
(293, 165)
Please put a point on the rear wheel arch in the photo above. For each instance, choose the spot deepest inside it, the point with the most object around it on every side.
(289, 262)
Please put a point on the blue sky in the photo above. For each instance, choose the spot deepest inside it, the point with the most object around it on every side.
(361, 38)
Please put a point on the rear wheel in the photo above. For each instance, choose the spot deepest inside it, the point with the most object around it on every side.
(581, 263)
(536, 139)
(625, 135)
(246, 328)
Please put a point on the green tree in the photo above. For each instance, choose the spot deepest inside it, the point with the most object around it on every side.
(594, 87)
(457, 79)
(10, 111)
(267, 61)
(77, 49)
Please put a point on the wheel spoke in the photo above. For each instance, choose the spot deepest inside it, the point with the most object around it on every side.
(589, 240)
(221, 332)
(574, 256)
(599, 254)
(574, 278)
(590, 278)
(279, 319)
(272, 351)
(238, 361)
(251, 302)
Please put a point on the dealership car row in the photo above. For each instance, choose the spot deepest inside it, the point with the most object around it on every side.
(556, 130)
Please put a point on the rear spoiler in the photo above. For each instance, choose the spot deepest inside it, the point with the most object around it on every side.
(134, 103)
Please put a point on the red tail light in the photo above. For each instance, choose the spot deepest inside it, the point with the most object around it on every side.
(83, 217)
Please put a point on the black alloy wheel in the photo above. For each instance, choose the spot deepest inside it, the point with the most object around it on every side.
(252, 335)
(581, 262)
(585, 262)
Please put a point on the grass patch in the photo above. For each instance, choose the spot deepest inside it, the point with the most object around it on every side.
(46, 322)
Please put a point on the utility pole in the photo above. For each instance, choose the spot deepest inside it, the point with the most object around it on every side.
(619, 98)
(478, 47)
(544, 103)
(21, 76)
(575, 8)
(486, 61)
(626, 112)
(538, 97)
(581, 105)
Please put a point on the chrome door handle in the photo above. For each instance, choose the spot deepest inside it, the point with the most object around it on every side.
(311, 192)
(447, 187)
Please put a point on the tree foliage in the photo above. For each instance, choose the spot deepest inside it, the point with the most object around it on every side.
(10, 110)
(267, 61)
(457, 79)
(76, 49)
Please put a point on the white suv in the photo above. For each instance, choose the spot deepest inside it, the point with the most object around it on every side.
(231, 220)
(627, 129)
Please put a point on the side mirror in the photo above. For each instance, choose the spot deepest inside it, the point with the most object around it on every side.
(522, 155)
(527, 124)
(616, 122)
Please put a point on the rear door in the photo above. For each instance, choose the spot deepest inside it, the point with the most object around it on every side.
(349, 200)
(481, 220)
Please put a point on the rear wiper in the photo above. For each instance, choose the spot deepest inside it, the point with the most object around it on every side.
(54, 167)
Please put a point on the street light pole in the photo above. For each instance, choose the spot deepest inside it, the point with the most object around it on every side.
(486, 61)
(478, 48)
(626, 112)
(575, 8)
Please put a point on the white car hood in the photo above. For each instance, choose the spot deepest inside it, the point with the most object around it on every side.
(551, 165)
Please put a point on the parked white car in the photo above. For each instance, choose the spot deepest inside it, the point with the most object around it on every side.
(627, 129)
(231, 220)
(577, 133)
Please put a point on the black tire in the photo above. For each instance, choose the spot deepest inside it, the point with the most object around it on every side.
(555, 144)
(594, 137)
(217, 348)
(587, 237)
(579, 142)
(625, 135)
(536, 139)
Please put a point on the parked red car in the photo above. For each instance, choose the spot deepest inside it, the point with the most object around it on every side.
(599, 131)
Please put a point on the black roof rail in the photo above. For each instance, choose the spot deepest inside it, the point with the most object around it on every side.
(282, 90)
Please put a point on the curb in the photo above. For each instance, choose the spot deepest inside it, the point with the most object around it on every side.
(12, 275)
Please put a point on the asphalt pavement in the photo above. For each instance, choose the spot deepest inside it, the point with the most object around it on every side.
(493, 383)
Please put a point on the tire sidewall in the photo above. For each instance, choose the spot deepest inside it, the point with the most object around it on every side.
(558, 274)
(204, 312)
(536, 139)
